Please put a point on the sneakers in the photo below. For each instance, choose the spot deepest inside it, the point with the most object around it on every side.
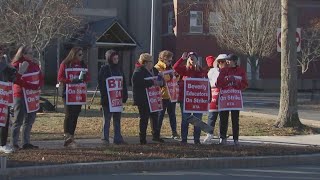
(67, 140)
(29, 146)
(175, 135)
(6, 149)
(207, 140)
(223, 141)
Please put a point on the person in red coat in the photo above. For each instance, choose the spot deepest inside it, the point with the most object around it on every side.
(25, 64)
(188, 67)
(72, 61)
(234, 77)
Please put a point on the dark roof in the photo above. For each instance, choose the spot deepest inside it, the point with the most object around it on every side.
(107, 30)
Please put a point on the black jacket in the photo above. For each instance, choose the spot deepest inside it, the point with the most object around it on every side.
(139, 85)
(104, 73)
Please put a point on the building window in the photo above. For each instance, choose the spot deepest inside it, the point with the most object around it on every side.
(171, 22)
(196, 22)
(214, 21)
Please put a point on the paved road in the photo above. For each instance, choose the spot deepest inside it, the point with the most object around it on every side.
(270, 105)
(272, 173)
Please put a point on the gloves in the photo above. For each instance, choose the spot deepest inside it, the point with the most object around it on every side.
(23, 67)
(76, 81)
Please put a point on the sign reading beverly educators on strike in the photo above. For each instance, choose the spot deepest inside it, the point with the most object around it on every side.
(3, 114)
(114, 91)
(213, 106)
(172, 85)
(31, 97)
(196, 95)
(154, 96)
(76, 94)
(6, 93)
(230, 99)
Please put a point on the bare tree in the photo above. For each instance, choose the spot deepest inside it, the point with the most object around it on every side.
(288, 110)
(36, 23)
(247, 27)
(310, 51)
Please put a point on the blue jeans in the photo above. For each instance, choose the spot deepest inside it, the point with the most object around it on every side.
(212, 118)
(185, 125)
(107, 115)
(21, 118)
(171, 108)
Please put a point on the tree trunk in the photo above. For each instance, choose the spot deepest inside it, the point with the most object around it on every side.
(288, 111)
(254, 68)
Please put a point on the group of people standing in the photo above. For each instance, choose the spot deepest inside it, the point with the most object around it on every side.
(222, 72)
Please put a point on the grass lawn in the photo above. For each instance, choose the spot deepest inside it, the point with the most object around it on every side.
(50, 125)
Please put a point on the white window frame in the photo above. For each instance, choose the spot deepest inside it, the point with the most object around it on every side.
(171, 22)
(195, 25)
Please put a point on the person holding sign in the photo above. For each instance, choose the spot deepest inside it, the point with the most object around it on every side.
(146, 90)
(164, 66)
(7, 76)
(73, 76)
(113, 90)
(190, 69)
(215, 65)
(231, 81)
(26, 91)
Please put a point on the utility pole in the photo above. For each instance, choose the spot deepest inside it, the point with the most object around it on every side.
(152, 28)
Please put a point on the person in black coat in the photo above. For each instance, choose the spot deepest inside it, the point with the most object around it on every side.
(110, 70)
(145, 69)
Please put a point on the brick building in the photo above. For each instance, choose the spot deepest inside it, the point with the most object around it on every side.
(188, 25)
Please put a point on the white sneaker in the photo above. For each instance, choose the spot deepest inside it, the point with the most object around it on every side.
(6, 149)
(208, 139)
(223, 141)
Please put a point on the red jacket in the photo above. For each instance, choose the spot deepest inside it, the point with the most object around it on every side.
(185, 72)
(232, 77)
(20, 83)
(62, 74)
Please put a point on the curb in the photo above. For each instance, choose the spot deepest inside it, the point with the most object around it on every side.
(159, 165)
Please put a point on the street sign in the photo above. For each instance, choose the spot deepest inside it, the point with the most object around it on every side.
(298, 39)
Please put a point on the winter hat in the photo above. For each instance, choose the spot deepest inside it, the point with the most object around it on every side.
(109, 55)
(210, 60)
(222, 57)
(232, 57)
(193, 53)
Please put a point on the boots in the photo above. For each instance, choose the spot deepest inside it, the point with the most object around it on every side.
(67, 139)
(156, 137)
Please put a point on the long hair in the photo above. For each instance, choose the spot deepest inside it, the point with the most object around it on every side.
(21, 51)
(72, 54)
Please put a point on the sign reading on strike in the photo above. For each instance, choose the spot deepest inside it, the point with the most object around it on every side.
(3, 114)
(154, 96)
(6, 93)
(196, 95)
(172, 85)
(114, 91)
(213, 106)
(76, 94)
(31, 97)
(230, 99)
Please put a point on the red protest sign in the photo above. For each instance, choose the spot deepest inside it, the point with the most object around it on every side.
(154, 97)
(213, 106)
(196, 95)
(172, 85)
(76, 94)
(6, 93)
(31, 97)
(230, 99)
(114, 90)
(3, 114)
